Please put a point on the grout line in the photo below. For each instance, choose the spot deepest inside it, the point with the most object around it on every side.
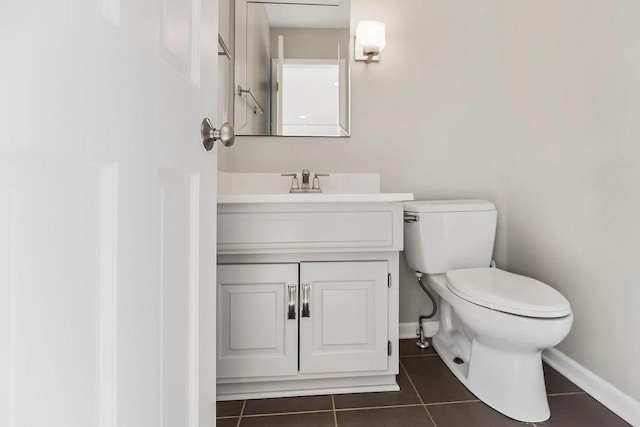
(430, 417)
(226, 417)
(244, 403)
(415, 390)
(566, 393)
(270, 414)
(335, 410)
(412, 384)
(364, 408)
(333, 405)
(453, 402)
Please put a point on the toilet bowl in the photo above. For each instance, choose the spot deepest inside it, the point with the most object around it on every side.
(493, 324)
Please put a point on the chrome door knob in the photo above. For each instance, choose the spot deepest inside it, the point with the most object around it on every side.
(226, 134)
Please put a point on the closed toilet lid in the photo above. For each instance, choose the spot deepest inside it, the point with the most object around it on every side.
(511, 293)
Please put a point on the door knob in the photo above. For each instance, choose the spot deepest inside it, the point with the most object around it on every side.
(226, 134)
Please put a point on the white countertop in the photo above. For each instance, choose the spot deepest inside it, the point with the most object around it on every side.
(313, 198)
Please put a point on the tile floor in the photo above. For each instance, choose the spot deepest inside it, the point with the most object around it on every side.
(429, 396)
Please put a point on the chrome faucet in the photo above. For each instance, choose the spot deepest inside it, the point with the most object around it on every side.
(307, 186)
(305, 179)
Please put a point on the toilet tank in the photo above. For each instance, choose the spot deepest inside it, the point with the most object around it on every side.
(449, 234)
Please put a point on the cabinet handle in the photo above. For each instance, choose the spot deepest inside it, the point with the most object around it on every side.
(306, 289)
(291, 303)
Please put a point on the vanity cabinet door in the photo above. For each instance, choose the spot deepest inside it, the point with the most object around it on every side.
(343, 316)
(257, 320)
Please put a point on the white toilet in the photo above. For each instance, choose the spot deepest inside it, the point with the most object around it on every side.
(493, 324)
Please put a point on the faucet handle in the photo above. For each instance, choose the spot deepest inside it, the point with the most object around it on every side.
(316, 181)
(295, 185)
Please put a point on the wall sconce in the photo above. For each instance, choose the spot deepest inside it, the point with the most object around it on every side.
(370, 40)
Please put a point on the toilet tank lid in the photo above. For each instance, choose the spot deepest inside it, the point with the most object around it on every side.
(449, 206)
(507, 292)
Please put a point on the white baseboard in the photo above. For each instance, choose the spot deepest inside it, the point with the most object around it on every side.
(408, 329)
(620, 403)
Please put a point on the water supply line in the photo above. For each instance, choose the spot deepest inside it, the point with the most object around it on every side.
(422, 342)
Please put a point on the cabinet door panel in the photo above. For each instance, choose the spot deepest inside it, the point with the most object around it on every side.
(255, 337)
(347, 325)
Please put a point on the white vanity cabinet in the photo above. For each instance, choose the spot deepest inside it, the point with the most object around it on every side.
(307, 297)
(334, 319)
(345, 328)
(257, 335)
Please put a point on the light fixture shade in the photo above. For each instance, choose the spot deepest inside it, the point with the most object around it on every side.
(370, 40)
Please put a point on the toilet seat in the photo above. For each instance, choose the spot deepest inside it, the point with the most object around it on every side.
(507, 292)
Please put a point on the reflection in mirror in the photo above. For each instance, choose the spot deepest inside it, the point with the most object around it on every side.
(292, 67)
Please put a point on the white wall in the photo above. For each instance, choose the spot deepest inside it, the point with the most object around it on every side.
(573, 85)
(428, 117)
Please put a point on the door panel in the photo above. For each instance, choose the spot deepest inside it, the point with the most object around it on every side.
(179, 36)
(107, 291)
(346, 329)
(257, 337)
(179, 295)
(350, 327)
(58, 310)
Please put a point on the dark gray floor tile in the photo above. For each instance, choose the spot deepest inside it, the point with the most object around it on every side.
(288, 404)
(580, 410)
(470, 414)
(434, 381)
(413, 416)
(408, 347)
(227, 422)
(405, 396)
(229, 408)
(556, 383)
(317, 419)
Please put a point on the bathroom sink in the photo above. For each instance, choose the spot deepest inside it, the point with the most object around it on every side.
(313, 198)
(243, 188)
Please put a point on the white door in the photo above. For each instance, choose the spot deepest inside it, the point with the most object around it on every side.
(107, 213)
(343, 316)
(258, 320)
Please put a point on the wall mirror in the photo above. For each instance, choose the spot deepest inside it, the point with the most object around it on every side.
(291, 68)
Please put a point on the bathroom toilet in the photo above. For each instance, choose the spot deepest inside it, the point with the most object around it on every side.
(493, 324)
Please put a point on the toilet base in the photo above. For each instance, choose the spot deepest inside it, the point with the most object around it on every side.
(510, 383)
(501, 353)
